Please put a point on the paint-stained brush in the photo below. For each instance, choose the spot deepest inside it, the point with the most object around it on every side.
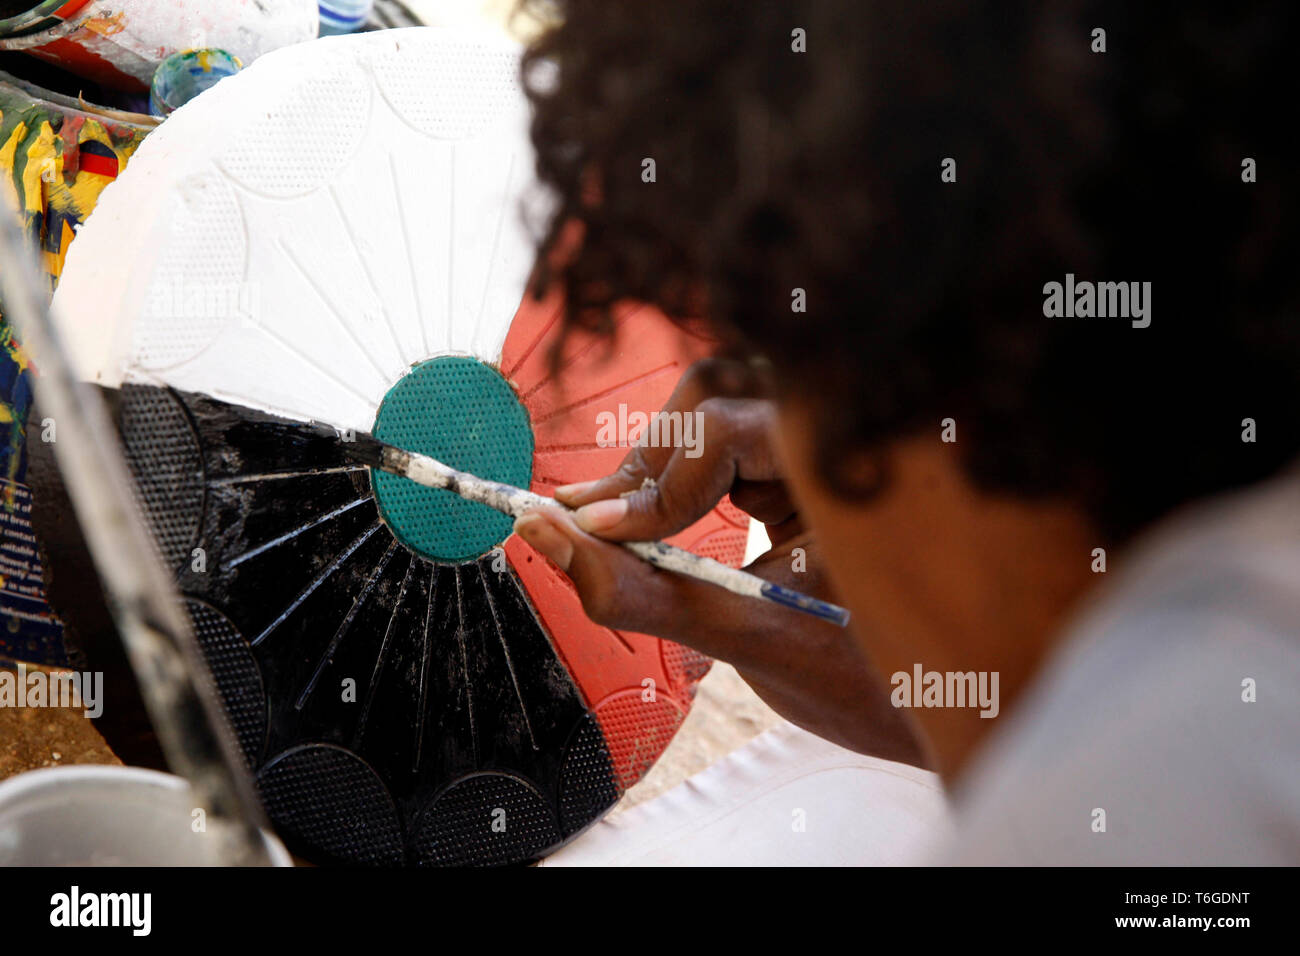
(431, 473)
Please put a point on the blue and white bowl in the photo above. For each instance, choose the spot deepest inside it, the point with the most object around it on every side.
(344, 16)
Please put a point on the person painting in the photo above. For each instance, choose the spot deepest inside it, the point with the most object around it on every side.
(1011, 351)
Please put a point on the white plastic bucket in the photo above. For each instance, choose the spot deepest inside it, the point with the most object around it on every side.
(92, 815)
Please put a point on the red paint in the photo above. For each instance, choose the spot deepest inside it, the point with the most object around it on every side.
(641, 368)
(99, 165)
(69, 8)
(78, 59)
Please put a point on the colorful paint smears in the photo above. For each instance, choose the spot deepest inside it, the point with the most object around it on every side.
(55, 160)
(56, 157)
(183, 76)
(21, 18)
(121, 45)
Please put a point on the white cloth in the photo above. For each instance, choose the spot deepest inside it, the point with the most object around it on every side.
(1142, 714)
(787, 798)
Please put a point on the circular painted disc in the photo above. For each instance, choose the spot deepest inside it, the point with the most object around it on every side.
(453, 408)
(334, 235)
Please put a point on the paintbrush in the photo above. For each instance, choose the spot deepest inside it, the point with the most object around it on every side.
(431, 473)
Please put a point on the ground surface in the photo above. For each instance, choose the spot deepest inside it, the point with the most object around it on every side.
(726, 715)
(48, 737)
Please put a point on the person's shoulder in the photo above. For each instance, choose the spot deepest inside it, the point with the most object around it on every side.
(1165, 729)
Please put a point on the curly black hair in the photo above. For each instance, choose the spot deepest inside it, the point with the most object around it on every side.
(779, 169)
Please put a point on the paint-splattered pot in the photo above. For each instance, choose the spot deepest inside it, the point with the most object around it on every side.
(57, 154)
(22, 18)
(183, 76)
(120, 45)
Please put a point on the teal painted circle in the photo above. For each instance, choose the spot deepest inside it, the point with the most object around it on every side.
(463, 413)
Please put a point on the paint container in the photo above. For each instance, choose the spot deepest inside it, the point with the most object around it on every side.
(344, 16)
(24, 18)
(57, 155)
(121, 45)
(93, 815)
(183, 76)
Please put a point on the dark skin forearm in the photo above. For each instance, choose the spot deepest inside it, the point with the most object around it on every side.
(807, 670)
(810, 672)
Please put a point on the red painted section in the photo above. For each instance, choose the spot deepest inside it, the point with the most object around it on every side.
(99, 165)
(640, 369)
(81, 60)
(69, 8)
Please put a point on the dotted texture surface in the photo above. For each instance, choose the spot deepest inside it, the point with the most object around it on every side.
(164, 454)
(235, 672)
(463, 413)
(488, 818)
(454, 92)
(328, 799)
(587, 784)
(317, 124)
(199, 286)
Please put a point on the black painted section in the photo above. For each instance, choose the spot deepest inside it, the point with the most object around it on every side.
(459, 701)
(73, 590)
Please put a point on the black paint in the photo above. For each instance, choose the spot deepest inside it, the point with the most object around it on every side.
(461, 704)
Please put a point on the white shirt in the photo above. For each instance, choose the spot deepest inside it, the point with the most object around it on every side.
(1144, 713)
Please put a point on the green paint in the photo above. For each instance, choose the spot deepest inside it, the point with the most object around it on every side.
(463, 413)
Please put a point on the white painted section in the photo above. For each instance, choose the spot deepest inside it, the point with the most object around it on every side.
(296, 238)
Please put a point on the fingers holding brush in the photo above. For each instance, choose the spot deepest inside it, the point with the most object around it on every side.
(808, 671)
(617, 588)
(657, 492)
